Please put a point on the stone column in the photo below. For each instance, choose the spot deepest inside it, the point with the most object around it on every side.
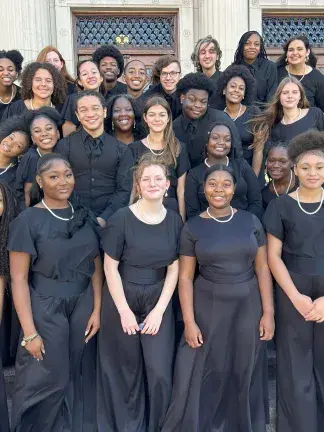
(27, 25)
(226, 20)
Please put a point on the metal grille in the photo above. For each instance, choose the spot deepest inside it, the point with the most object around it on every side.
(128, 31)
(277, 30)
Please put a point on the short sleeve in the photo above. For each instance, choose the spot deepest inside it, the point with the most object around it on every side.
(183, 162)
(21, 238)
(319, 119)
(187, 242)
(27, 167)
(178, 228)
(68, 113)
(113, 235)
(259, 232)
(272, 220)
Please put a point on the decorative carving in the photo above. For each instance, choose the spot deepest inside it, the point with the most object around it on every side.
(62, 1)
(284, 2)
(186, 33)
(186, 2)
(93, 1)
(155, 1)
(137, 31)
(187, 65)
(313, 2)
(255, 2)
(124, 1)
(277, 30)
(63, 32)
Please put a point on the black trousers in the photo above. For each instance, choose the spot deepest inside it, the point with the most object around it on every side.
(134, 372)
(48, 394)
(300, 361)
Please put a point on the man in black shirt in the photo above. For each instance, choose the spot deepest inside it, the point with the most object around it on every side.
(101, 164)
(192, 125)
(135, 77)
(111, 64)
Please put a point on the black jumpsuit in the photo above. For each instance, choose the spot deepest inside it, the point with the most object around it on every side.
(300, 348)
(135, 372)
(48, 394)
(219, 386)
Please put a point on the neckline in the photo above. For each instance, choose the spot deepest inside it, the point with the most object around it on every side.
(300, 119)
(147, 224)
(294, 75)
(302, 202)
(222, 217)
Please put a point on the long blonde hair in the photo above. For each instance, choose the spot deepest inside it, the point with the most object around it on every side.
(172, 145)
(273, 114)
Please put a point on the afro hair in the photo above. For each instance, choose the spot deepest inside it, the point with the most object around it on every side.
(14, 56)
(109, 51)
(308, 142)
(237, 71)
(196, 81)
(46, 112)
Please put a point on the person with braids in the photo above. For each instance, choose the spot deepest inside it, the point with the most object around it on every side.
(110, 62)
(162, 142)
(14, 142)
(44, 130)
(228, 315)
(123, 119)
(41, 85)
(299, 61)
(136, 341)
(280, 171)
(8, 211)
(57, 295)
(294, 223)
(10, 68)
(195, 90)
(251, 53)
(221, 147)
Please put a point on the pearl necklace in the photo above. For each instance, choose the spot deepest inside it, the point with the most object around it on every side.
(318, 208)
(274, 187)
(8, 167)
(296, 119)
(294, 77)
(32, 106)
(10, 100)
(39, 153)
(238, 114)
(58, 217)
(221, 221)
(152, 151)
(206, 163)
(150, 221)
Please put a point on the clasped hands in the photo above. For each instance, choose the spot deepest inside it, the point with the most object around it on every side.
(309, 309)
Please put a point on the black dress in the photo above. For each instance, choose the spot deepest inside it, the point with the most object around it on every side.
(313, 84)
(314, 119)
(299, 344)
(3, 106)
(183, 165)
(244, 128)
(247, 194)
(135, 372)
(48, 395)
(219, 386)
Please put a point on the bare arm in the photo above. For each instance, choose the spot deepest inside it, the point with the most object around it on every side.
(257, 160)
(2, 293)
(27, 187)
(68, 128)
(180, 196)
(97, 282)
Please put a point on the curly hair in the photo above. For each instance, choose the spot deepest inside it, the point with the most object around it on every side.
(15, 57)
(161, 63)
(27, 77)
(10, 211)
(15, 123)
(44, 112)
(238, 56)
(312, 60)
(308, 142)
(42, 59)
(206, 41)
(109, 51)
(237, 71)
(139, 131)
(196, 81)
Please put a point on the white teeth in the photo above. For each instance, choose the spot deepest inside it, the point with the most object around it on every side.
(46, 141)
(123, 121)
(136, 82)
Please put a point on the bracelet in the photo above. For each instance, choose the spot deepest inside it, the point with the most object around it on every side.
(27, 339)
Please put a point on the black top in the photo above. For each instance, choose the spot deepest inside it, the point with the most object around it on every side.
(302, 235)
(244, 128)
(214, 101)
(120, 88)
(194, 133)
(68, 112)
(129, 240)
(157, 90)
(268, 195)
(26, 171)
(183, 164)
(71, 254)
(313, 84)
(15, 99)
(10, 175)
(16, 108)
(265, 73)
(227, 249)
(314, 119)
(247, 194)
(102, 170)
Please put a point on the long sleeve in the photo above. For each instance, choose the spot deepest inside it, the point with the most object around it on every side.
(120, 198)
(272, 82)
(254, 195)
(191, 195)
(319, 92)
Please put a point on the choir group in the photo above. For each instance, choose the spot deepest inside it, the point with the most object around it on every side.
(154, 232)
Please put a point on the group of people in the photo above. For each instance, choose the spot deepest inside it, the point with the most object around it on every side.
(142, 229)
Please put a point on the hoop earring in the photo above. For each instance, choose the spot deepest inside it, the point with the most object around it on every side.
(112, 125)
(286, 60)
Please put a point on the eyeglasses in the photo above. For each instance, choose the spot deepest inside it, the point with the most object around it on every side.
(172, 74)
